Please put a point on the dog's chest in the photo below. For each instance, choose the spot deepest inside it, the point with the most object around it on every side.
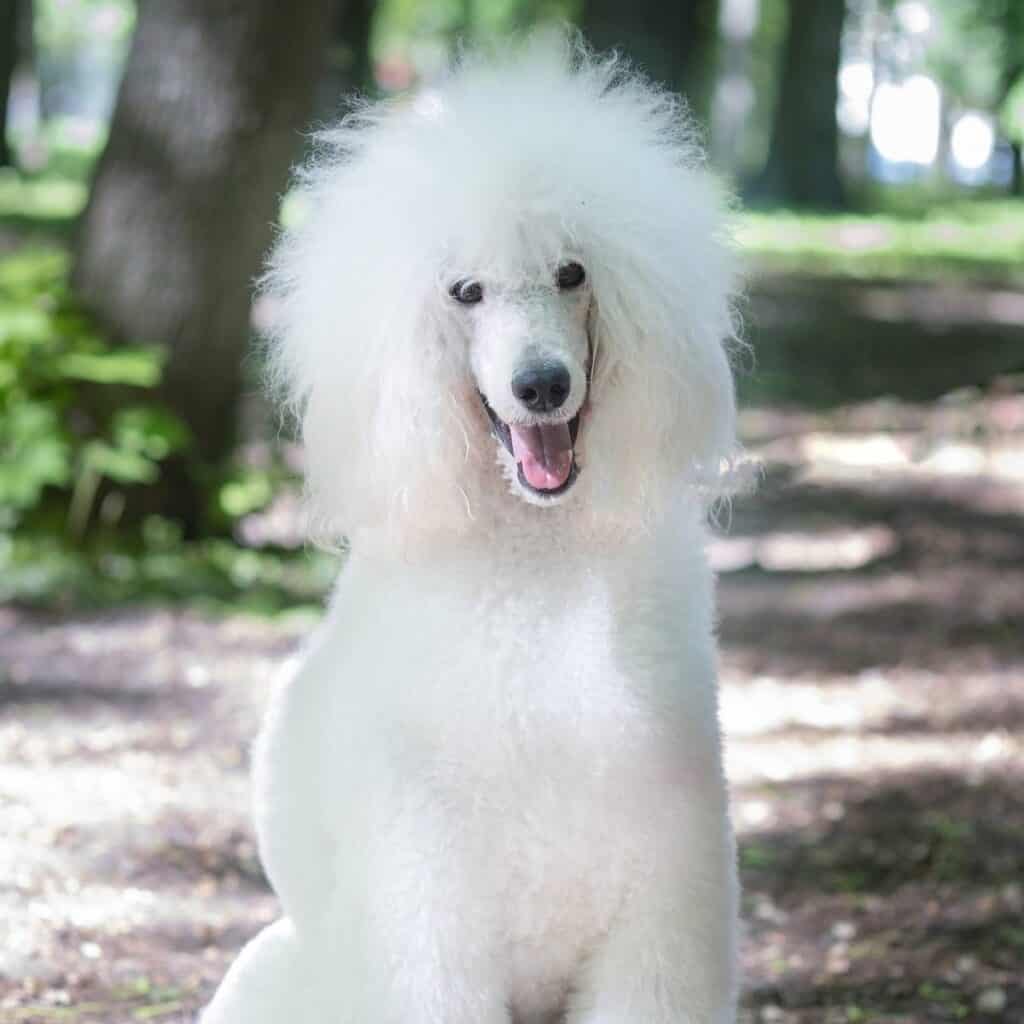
(558, 839)
(536, 716)
(537, 696)
(530, 715)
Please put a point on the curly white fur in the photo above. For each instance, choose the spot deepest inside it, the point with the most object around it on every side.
(494, 792)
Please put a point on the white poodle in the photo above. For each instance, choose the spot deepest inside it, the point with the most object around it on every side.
(493, 793)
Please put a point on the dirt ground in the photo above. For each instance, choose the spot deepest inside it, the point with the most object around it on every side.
(872, 602)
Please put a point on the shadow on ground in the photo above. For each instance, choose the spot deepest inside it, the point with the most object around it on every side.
(899, 900)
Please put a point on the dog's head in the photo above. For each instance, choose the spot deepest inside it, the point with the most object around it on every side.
(509, 292)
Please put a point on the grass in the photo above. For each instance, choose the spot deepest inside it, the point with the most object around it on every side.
(974, 239)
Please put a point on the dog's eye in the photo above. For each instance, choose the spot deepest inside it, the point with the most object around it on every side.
(467, 292)
(570, 275)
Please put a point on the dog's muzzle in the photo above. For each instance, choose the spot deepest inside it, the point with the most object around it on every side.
(544, 453)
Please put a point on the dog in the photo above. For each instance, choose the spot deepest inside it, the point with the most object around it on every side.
(493, 792)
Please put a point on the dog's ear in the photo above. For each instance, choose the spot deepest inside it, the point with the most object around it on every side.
(358, 352)
(384, 441)
(662, 323)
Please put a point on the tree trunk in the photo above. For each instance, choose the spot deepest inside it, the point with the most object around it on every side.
(674, 42)
(1013, 72)
(349, 68)
(208, 119)
(803, 157)
(9, 11)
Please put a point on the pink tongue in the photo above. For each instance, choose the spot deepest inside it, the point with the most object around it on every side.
(544, 452)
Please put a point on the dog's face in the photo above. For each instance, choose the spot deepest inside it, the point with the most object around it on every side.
(529, 354)
(517, 282)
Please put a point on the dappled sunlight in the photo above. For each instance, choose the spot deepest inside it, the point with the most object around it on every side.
(872, 596)
(968, 449)
(766, 705)
(872, 723)
(873, 892)
(800, 756)
(837, 456)
(804, 552)
(127, 852)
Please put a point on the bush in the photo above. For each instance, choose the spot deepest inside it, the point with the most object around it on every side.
(84, 440)
(80, 424)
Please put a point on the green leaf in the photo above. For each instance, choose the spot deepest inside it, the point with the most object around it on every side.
(152, 432)
(135, 366)
(1012, 114)
(40, 464)
(32, 270)
(251, 491)
(24, 323)
(34, 453)
(25, 424)
(126, 467)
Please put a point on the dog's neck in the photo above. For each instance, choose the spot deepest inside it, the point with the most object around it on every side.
(510, 523)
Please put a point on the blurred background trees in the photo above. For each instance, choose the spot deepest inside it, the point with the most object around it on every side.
(675, 43)
(871, 591)
(803, 154)
(9, 36)
(183, 199)
(349, 67)
(147, 148)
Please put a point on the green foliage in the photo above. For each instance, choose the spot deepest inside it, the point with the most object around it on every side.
(83, 437)
(62, 25)
(431, 29)
(966, 26)
(246, 490)
(1012, 114)
(76, 414)
(765, 55)
(41, 205)
(992, 32)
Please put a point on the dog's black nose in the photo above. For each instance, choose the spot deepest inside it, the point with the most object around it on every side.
(542, 385)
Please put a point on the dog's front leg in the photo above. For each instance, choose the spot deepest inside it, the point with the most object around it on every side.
(280, 977)
(670, 957)
(434, 950)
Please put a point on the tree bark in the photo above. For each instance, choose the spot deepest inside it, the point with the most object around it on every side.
(674, 42)
(803, 157)
(349, 67)
(1013, 71)
(207, 122)
(9, 11)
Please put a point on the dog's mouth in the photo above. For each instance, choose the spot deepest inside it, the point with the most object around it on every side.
(544, 452)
